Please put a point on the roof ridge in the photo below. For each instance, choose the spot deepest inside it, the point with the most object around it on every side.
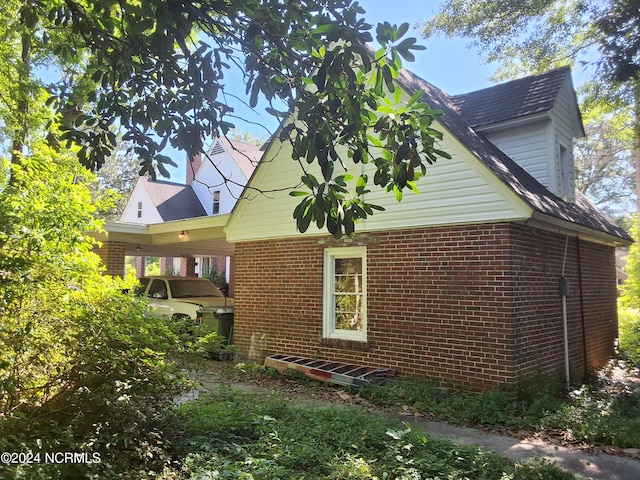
(165, 182)
(523, 97)
(565, 69)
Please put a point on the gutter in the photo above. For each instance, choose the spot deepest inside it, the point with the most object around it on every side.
(565, 227)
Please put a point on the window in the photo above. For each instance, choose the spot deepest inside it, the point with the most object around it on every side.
(216, 202)
(345, 293)
(158, 289)
(565, 173)
(139, 209)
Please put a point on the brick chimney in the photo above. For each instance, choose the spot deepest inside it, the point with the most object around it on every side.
(192, 167)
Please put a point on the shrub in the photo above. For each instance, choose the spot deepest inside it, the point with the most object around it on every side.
(629, 334)
(219, 279)
(82, 369)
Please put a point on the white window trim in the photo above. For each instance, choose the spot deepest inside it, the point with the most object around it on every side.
(329, 326)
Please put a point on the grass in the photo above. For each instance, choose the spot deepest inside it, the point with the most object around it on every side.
(605, 411)
(235, 434)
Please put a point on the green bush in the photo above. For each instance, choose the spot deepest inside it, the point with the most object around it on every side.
(219, 279)
(81, 368)
(629, 334)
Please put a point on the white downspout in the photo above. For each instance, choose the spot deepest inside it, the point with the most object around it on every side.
(564, 292)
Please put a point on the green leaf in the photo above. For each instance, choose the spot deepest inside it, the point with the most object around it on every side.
(402, 29)
(397, 95)
(398, 193)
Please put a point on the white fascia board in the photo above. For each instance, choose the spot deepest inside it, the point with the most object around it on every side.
(198, 223)
(514, 122)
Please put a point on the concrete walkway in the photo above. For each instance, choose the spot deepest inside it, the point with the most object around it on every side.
(590, 466)
(587, 465)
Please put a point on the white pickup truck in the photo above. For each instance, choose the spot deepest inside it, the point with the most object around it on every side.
(192, 297)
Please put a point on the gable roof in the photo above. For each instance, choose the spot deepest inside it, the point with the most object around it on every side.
(455, 120)
(173, 200)
(511, 100)
(245, 155)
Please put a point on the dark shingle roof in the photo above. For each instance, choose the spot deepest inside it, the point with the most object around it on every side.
(581, 213)
(510, 100)
(173, 200)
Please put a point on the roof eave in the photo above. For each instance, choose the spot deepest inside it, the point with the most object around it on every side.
(513, 122)
(549, 223)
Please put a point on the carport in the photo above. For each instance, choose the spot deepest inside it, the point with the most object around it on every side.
(190, 238)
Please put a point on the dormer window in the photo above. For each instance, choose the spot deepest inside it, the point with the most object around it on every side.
(216, 202)
(566, 174)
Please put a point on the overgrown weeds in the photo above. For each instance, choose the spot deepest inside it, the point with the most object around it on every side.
(497, 408)
(604, 411)
(234, 434)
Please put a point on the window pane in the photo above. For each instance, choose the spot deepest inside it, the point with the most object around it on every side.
(349, 321)
(348, 284)
(345, 293)
(348, 275)
(348, 266)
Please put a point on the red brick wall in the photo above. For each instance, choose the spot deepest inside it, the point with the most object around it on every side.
(113, 258)
(599, 306)
(471, 306)
(537, 265)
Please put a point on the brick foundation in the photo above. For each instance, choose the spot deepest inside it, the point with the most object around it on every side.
(470, 306)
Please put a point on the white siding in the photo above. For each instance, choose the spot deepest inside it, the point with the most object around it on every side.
(527, 145)
(209, 179)
(564, 128)
(149, 211)
(455, 191)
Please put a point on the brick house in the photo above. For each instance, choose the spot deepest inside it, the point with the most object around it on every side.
(460, 283)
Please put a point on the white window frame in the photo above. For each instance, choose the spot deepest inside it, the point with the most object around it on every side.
(329, 320)
(565, 172)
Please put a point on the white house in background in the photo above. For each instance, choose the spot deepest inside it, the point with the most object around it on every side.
(214, 182)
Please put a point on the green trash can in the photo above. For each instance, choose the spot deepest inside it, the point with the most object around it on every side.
(221, 320)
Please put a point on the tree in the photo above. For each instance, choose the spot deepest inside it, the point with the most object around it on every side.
(81, 367)
(156, 71)
(115, 182)
(606, 168)
(534, 36)
(619, 27)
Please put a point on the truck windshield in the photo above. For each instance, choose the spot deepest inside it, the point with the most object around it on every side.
(181, 288)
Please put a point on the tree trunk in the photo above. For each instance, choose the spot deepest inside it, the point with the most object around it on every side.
(22, 124)
(636, 144)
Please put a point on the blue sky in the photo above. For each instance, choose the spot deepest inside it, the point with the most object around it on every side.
(449, 64)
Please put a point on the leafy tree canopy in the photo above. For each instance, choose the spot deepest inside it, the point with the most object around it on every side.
(157, 71)
(537, 35)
